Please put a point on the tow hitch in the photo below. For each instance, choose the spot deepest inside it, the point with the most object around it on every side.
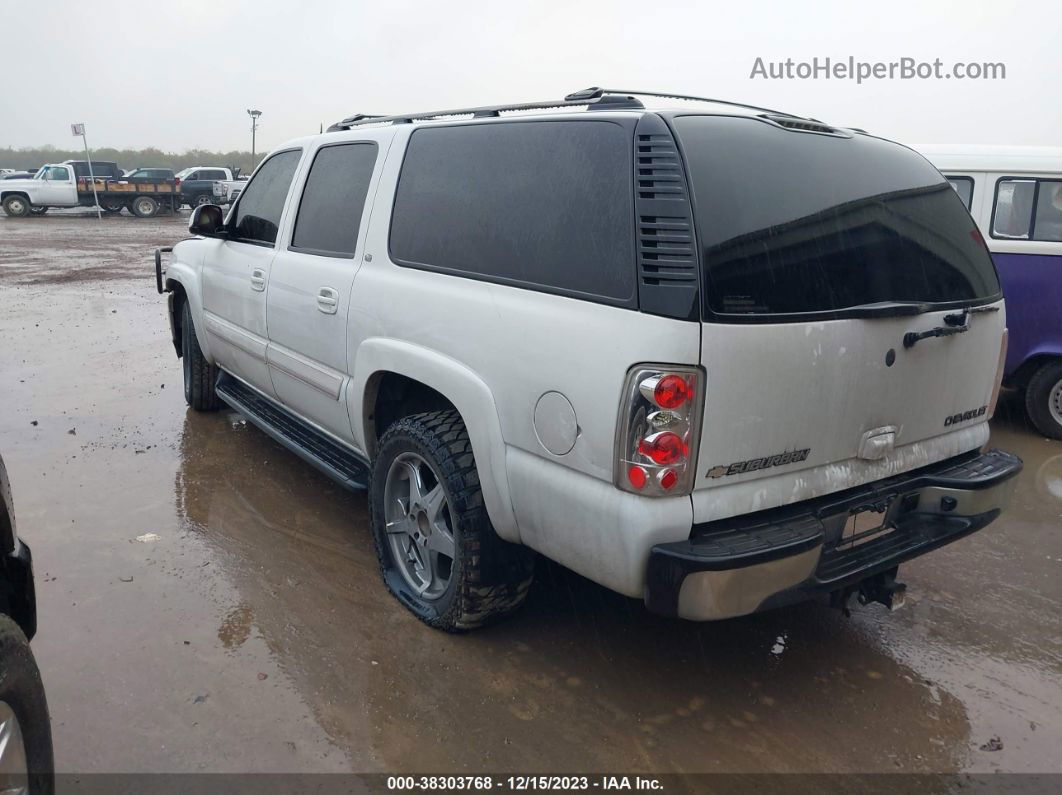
(881, 588)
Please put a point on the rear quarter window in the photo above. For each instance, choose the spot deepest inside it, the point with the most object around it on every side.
(545, 205)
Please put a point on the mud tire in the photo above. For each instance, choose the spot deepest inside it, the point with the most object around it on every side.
(200, 376)
(1040, 391)
(22, 690)
(490, 577)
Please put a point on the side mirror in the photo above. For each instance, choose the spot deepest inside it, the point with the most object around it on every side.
(207, 221)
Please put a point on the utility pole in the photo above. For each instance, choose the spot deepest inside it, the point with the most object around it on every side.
(79, 129)
(254, 114)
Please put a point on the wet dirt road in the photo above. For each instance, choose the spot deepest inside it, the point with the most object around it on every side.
(254, 633)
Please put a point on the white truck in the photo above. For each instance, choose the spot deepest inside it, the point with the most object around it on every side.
(58, 185)
(228, 191)
(713, 356)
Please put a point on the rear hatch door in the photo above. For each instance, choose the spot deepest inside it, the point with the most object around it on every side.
(821, 252)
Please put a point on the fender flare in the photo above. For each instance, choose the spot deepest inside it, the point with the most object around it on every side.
(182, 273)
(461, 386)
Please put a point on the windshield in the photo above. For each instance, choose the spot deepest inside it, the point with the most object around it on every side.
(794, 223)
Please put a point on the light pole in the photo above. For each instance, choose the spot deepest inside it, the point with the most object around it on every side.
(254, 114)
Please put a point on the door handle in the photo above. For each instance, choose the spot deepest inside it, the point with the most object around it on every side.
(328, 300)
(258, 279)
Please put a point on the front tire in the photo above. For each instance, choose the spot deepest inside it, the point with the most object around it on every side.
(200, 376)
(25, 728)
(438, 552)
(17, 206)
(1043, 399)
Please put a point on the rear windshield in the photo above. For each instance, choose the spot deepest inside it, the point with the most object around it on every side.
(793, 223)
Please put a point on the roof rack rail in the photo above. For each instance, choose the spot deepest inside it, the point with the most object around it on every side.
(604, 100)
(591, 94)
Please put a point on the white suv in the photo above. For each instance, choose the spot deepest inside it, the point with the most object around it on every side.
(714, 356)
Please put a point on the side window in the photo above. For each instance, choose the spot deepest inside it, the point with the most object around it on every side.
(1048, 222)
(333, 199)
(257, 215)
(546, 205)
(1012, 215)
(964, 186)
(193, 175)
(58, 174)
(212, 174)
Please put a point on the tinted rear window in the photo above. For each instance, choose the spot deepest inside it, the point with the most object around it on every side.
(794, 223)
(547, 205)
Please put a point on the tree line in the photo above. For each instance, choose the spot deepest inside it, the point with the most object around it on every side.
(32, 158)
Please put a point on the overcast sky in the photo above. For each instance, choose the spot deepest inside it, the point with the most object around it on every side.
(179, 75)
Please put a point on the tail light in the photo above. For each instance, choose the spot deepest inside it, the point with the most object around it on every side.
(999, 375)
(658, 430)
(178, 182)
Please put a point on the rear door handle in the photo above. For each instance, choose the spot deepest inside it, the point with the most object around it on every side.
(328, 300)
(258, 279)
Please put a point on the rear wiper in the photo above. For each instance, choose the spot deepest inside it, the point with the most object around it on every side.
(911, 337)
(887, 309)
(955, 323)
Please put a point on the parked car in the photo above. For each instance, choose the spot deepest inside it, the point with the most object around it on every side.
(751, 374)
(56, 186)
(197, 183)
(26, 764)
(1015, 195)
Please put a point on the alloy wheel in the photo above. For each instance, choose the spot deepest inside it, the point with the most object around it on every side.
(419, 526)
(14, 769)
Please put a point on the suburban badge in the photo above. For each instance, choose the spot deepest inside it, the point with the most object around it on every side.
(754, 464)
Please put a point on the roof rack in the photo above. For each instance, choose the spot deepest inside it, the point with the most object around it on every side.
(590, 93)
(605, 100)
(597, 98)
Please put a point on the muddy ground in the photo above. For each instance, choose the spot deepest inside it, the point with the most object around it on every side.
(254, 634)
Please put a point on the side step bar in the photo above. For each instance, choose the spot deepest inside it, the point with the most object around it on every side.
(340, 463)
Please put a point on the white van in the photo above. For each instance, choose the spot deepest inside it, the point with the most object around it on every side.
(1015, 195)
(712, 356)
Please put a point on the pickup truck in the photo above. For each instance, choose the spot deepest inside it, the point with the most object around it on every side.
(197, 184)
(57, 185)
(228, 191)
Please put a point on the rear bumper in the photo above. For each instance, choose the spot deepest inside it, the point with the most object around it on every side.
(738, 566)
(17, 594)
